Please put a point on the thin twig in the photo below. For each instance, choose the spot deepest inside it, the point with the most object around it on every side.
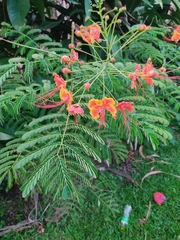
(36, 196)
(7, 229)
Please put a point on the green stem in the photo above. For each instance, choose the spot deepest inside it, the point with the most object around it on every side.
(22, 45)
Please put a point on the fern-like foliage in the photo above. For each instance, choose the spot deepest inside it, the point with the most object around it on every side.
(8, 159)
(152, 45)
(141, 50)
(59, 158)
(13, 102)
(36, 52)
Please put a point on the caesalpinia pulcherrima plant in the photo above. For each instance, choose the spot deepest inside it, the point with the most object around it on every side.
(96, 88)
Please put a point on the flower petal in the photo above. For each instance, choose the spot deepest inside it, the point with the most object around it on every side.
(94, 103)
(59, 81)
(149, 81)
(76, 109)
(66, 96)
(95, 113)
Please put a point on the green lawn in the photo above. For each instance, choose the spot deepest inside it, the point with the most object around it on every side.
(95, 221)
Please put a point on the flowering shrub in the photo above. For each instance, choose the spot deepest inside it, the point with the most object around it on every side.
(97, 98)
(96, 36)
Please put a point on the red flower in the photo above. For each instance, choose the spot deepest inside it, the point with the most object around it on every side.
(122, 106)
(71, 59)
(97, 109)
(176, 35)
(65, 95)
(74, 55)
(134, 76)
(59, 81)
(148, 73)
(89, 34)
(76, 109)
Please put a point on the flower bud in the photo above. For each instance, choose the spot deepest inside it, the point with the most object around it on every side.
(141, 27)
(119, 20)
(65, 59)
(113, 60)
(152, 73)
(81, 63)
(122, 9)
(87, 86)
(79, 44)
(66, 70)
(107, 17)
(148, 28)
(162, 69)
(71, 46)
(78, 33)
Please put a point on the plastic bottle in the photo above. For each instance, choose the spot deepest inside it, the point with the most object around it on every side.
(125, 218)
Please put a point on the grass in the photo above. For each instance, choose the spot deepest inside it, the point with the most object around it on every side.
(95, 221)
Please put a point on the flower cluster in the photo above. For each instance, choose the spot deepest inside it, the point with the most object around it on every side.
(143, 27)
(70, 59)
(65, 96)
(97, 109)
(147, 73)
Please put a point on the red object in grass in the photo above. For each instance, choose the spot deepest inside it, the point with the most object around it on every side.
(159, 198)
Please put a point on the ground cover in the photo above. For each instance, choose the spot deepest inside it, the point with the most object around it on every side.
(94, 220)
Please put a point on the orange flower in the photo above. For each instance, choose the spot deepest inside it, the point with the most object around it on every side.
(74, 56)
(66, 96)
(134, 76)
(122, 106)
(176, 35)
(59, 81)
(97, 109)
(89, 34)
(148, 73)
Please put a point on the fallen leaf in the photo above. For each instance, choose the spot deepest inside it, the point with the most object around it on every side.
(151, 173)
(144, 220)
(40, 228)
(156, 172)
(22, 228)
